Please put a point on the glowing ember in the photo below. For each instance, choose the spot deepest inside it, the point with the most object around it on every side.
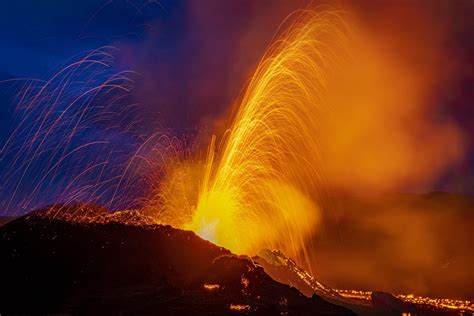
(239, 307)
(211, 287)
(354, 294)
(245, 282)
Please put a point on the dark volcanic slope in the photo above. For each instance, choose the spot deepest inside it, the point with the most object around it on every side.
(5, 219)
(54, 265)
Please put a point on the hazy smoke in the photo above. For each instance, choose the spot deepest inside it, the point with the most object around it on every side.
(388, 128)
(408, 243)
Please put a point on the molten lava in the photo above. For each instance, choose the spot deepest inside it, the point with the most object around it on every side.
(261, 187)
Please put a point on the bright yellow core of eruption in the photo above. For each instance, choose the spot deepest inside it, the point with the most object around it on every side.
(261, 186)
(215, 215)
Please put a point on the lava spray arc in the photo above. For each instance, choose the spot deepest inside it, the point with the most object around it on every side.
(261, 185)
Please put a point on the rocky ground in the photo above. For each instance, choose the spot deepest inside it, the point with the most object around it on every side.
(56, 263)
(84, 260)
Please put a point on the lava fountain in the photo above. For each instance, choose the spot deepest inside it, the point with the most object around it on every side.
(261, 185)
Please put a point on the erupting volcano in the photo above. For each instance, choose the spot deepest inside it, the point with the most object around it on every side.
(235, 217)
(260, 187)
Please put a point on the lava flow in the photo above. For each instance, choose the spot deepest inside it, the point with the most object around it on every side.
(462, 306)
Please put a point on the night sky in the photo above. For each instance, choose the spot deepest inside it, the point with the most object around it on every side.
(193, 58)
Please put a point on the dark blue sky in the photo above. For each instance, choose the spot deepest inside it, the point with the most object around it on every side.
(193, 59)
(37, 36)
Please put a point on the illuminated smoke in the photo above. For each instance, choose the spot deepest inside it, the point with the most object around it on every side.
(313, 119)
(262, 185)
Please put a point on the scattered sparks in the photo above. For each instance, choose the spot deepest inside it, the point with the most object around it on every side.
(245, 282)
(78, 139)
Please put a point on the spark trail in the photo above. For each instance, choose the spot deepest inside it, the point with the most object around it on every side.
(261, 187)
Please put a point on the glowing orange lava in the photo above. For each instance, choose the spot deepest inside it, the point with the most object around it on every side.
(239, 307)
(261, 186)
(211, 287)
(441, 303)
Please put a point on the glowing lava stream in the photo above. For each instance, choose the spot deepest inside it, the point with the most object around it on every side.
(261, 186)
